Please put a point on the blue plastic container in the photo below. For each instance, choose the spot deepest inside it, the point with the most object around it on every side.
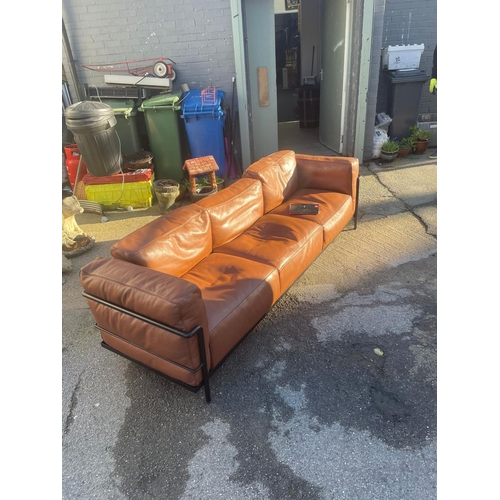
(204, 119)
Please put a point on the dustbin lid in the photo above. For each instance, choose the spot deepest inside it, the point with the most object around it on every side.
(120, 107)
(165, 100)
(88, 109)
(407, 75)
(193, 102)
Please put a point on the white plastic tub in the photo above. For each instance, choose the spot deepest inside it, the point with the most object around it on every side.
(402, 56)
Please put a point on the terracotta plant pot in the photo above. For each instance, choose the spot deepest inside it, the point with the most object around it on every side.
(404, 151)
(421, 147)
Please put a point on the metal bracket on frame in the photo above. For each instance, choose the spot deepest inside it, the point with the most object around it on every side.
(198, 331)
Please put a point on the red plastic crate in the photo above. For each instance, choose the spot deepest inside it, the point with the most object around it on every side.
(146, 175)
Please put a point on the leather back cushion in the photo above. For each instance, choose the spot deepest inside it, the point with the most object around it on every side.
(234, 209)
(278, 175)
(173, 244)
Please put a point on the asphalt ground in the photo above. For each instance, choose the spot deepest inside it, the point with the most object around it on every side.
(333, 395)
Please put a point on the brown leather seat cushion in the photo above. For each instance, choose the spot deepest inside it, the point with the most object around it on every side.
(286, 243)
(236, 292)
(335, 210)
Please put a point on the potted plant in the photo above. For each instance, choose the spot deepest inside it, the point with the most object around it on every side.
(183, 189)
(221, 184)
(421, 137)
(205, 181)
(389, 150)
(203, 188)
(166, 191)
(406, 145)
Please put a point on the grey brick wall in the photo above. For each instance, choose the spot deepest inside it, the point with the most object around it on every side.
(399, 22)
(196, 35)
(408, 22)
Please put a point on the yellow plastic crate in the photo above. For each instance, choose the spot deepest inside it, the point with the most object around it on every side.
(133, 194)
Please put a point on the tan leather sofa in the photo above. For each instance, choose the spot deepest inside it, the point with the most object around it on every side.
(180, 293)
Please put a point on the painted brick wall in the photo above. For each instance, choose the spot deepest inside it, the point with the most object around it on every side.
(196, 35)
(399, 22)
(408, 22)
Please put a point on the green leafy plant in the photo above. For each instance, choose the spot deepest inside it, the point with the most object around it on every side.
(201, 181)
(420, 134)
(205, 180)
(407, 142)
(390, 146)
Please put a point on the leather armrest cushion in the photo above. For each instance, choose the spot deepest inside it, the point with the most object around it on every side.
(167, 299)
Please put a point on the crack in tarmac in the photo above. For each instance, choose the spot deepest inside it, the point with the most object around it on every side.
(73, 402)
(409, 208)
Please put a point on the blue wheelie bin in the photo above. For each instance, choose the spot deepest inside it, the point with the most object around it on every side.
(204, 120)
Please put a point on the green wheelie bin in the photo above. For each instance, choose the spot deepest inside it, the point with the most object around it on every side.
(125, 111)
(161, 113)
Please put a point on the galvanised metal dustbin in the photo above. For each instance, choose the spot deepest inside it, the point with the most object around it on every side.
(93, 125)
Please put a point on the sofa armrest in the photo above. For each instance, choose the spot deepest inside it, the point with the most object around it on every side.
(163, 298)
(332, 173)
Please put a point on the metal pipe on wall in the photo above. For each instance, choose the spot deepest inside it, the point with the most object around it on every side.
(72, 64)
(66, 97)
